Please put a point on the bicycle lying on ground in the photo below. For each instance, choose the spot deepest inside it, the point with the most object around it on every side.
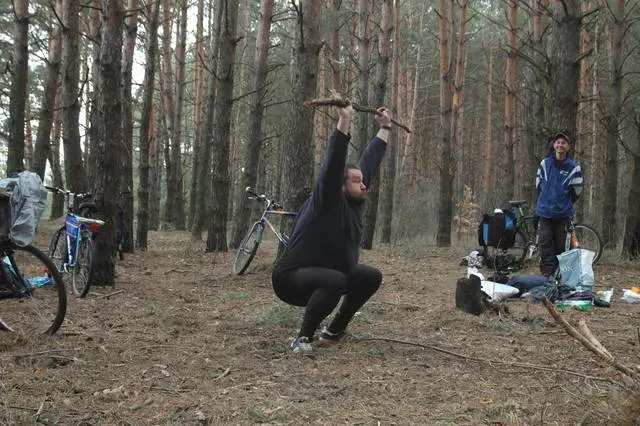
(34, 300)
(526, 250)
(71, 246)
(249, 246)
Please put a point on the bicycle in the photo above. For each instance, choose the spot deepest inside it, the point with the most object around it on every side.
(249, 246)
(71, 246)
(34, 299)
(526, 243)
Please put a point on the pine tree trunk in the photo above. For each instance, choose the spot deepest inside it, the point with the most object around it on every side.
(178, 218)
(508, 166)
(107, 150)
(217, 227)
(28, 136)
(168, 109)
(252, 155)
(95, 29)
(146, 134)
(379, 92)
(612, 125)
(126, 154)
(631, 240)
(18, 95)
(364, 63)
(57, 205)
(155, 169)
(43, 137)
(389, 165)
(487, 177)
(297, 179)
(75, 173)
(203, 188)
(445, 202)
(198, 114)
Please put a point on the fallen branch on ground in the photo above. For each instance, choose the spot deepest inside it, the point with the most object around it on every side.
(584, 336)
(490, 361)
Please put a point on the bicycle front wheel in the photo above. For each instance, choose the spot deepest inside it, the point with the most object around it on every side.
(247, 250)
(58, 248)
(82, 270)
(42, 305)
(587, 238)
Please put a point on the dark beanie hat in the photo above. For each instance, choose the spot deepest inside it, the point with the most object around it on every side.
(562, 136)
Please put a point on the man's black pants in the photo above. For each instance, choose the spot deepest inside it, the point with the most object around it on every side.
(552, 235)
(320, 290)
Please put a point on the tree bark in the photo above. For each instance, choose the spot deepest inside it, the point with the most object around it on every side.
(107, 151)
(126, 154)
(203, 188)
(75, 173)
(445, 201)
(298, 146)
(57, 205)
(364, 65)
(217, 229)
(252, 154)
(612, 125)
(168, 109)
(95, 29)
(508, 166)
(145, 126)
(389, 165)
(42, 148)
(177, 194)
(18, 95)
(379, 92)
(487, 176)
(198, 113)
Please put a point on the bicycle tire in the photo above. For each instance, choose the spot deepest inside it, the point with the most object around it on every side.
(41, 310)
(81, 272)
(247, 250)
(58, 248)
(589, 239)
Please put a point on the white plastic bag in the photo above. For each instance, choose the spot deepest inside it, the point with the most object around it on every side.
(576, 267)
(497, 291)
(630, 296)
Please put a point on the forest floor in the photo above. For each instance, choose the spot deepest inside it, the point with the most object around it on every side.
(180, 341)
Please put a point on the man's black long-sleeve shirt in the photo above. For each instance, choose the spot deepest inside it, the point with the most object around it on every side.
(329, 226)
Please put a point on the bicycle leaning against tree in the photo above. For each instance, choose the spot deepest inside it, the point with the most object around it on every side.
(250, 243)
(71, 246)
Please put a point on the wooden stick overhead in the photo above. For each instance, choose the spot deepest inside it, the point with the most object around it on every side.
(341, 103)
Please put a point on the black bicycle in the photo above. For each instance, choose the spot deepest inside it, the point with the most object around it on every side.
(526, 250)
(34, 300)
(249, 246)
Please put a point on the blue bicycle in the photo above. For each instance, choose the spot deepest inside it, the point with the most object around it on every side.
(71, 247)
(249, 246)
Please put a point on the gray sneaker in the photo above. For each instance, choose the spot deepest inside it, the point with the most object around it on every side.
(301, 345)
(331, 336)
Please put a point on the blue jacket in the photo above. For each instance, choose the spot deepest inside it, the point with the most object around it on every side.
(559, 185)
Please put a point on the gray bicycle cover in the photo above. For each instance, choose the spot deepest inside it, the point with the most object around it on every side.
(28, 199)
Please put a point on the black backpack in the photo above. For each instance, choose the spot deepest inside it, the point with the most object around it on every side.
(498, 230)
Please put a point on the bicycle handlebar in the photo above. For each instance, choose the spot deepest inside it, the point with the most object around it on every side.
(251, 194)
(67, 192)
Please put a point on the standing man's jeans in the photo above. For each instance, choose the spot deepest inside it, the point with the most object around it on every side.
(552, 234)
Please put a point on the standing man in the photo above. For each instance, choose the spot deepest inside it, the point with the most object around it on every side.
(320, 264)
(559, 184)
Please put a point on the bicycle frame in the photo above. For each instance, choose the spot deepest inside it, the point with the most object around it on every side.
(265, 221)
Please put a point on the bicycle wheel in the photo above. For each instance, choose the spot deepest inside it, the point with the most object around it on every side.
(41, 307)
(58, 248)
(587, 238)
(81, 271)
(247, 250)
